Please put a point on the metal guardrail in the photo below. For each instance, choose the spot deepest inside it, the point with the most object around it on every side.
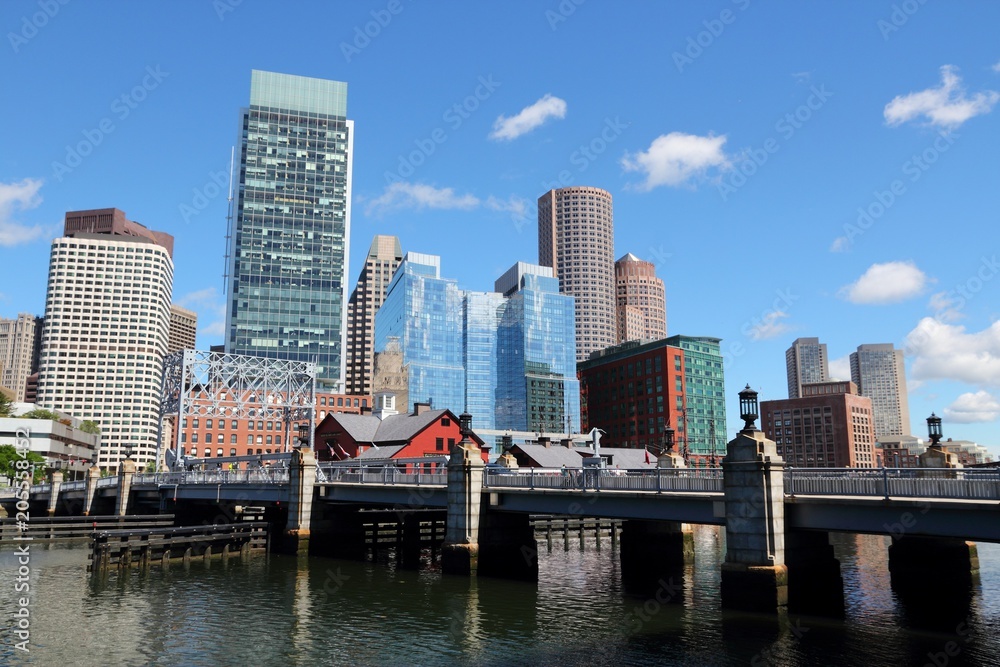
(656, 480)
(74, 485)
(386, 475)
(105, 482)
(252, 476)
(886, 483)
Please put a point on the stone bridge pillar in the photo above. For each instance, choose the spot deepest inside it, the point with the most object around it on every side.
(754, 576)
(460, 551)
(654, 551)
(815, 585)
(126, 471)
(90, 491)
(507, 546)
(301, 480)
(57, 479)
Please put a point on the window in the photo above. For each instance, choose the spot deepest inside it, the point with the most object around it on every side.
(269, 440)
(232, 451)
(439, 444)
(232, 439)
(194, 438)
(445, 421)
(277, 439)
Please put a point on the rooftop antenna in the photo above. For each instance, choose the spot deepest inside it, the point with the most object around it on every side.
(229, 223)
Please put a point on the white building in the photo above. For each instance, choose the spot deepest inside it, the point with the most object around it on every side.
(879, 373)
(107, 316)
(63, 445)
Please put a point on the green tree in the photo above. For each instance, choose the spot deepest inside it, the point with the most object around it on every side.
(9, 457)
(6, 406)
(89, 426)
(41, 413)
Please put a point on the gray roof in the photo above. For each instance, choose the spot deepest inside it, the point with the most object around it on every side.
(557, 456)
(627, 458)
(384, 452)
(394, 428)
(360, 427)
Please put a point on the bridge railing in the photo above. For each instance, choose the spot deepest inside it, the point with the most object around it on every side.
(252, 476)
(380, 474)
(74, 485)
(946, 483)
(657, 480)
(105, 482)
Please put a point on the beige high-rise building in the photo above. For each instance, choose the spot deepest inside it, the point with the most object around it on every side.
(642, 301)
(183, 329)
(384, 257)
(576, 238)
(20, 341)
(880, 375)
(806, 362)
(107, 322)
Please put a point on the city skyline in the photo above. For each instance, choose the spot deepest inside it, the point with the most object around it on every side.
(798, 190)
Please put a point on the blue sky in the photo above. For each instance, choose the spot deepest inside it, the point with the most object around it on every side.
(793, 169)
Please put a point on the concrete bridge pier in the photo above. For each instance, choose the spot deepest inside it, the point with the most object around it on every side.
(754, 575)
(90, 491)
(815, 585)
(460, 552)
(654, 550)
(56, 483)
(302, 479)
(126, 471)
(917, 561)
(338, 533)
(507, 546)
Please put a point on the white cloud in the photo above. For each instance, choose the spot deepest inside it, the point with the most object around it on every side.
(840, 369)
(771, 326)
(996, 68)
(945, 307)
(20, 196)
(942, 351)
(528, 118)
(946, 106)
(399, 195)
(514, 205)
(971, 408)
(886, 283)
(211, 310)
(840, 244)
(672, 159)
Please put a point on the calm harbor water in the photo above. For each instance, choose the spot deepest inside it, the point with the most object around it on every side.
(282, 611)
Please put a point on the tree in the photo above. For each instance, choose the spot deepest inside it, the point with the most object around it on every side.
(6, 406)
(9, 458)
(89, 426)
(41, 413)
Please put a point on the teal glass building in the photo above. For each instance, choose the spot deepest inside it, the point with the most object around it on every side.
(507, 357)
(289, 237)
(425, 313)
(704, 398)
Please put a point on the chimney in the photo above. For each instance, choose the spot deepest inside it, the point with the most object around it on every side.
(567, 443)
(420, 408)
(544, 441)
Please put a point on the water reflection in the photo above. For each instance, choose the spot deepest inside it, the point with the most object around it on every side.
(277, 610)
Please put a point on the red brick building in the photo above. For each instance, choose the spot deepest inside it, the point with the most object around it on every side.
(831, 426)
(386, 434)
(632, 391)
(207, 437)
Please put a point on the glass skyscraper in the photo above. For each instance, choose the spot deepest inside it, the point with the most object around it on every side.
(288, 251)
(425, 313)
(507, 357)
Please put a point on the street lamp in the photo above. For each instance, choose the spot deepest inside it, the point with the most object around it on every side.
(934, 430)
(748, 408)
(668, 439)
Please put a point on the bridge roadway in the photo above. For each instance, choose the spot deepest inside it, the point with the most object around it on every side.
(935, 503)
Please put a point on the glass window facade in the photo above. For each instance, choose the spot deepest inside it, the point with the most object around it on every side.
(291, 229)
(704, 401)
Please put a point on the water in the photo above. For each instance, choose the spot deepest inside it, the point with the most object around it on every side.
(283, 611)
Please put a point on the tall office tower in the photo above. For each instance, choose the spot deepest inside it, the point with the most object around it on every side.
(20, 341)
(806, 362)
(704, 402)
(288, 256)
(383, 258)
(183, 329)
(642, 301)
(576, 239)
(424, 312)
(481, 317)
(879, 373)
(107, 322)
(537, 387)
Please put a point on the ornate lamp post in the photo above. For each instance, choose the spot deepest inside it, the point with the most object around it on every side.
(748, 408)
(934, 430)
(668, 439)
